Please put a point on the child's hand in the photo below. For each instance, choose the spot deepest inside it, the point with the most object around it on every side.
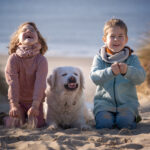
(123, 68)
(33, 111)
(115, 68)
(14, 112)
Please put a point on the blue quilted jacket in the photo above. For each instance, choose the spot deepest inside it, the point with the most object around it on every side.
(116, 93)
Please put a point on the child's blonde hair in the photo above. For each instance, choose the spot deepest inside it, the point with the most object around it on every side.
(113, 23)
(14, 42)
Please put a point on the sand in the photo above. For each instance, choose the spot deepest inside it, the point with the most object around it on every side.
(75, 139)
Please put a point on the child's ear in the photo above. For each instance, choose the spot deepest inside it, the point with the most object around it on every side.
(126, 39)
(18, 43)
(104, 39)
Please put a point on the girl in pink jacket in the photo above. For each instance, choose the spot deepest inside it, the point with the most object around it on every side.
(26, 72)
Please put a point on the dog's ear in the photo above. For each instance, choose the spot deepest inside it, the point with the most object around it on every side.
(81, 79)
(52, 79)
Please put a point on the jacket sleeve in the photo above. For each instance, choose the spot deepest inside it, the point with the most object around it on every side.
(11, 75)
(99, 73)
(135, 72)
(40, 82)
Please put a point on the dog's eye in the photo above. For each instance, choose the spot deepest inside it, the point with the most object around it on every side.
(64, 74)
(75, 74)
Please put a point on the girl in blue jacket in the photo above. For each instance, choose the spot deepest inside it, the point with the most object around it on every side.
(116, 72)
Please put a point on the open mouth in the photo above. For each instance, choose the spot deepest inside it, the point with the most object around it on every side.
(28, 36)
(71, 86)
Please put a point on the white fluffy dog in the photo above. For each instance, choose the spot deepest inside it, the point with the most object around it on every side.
(64, 106)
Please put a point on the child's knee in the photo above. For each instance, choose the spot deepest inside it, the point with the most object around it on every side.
(41, 120)
(12, 122)
(126, 120)
(104, 120)
(121, 123)
(41, 123)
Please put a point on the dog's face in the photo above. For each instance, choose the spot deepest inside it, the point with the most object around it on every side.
(66, 78)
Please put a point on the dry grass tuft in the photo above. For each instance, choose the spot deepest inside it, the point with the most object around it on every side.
(144, 56)
(3, 85)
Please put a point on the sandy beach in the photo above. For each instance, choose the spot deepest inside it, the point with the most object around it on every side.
(74, 139)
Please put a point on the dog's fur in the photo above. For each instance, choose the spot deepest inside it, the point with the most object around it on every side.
(65, 105)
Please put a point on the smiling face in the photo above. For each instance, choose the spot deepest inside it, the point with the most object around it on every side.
(115, 39)
(28, 35)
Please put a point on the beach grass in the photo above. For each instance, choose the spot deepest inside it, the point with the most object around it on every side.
(3, 84)
(144, 56)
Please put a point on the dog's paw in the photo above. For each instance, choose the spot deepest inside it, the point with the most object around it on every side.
(85, 127)
(91, 122)
(52, 126)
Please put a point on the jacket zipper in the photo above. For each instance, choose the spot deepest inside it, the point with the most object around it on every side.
(115, 93)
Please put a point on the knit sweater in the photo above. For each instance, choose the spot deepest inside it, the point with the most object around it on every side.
(26, 78)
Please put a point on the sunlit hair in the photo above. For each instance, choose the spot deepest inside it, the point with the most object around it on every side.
(14, 42)
(113, 23)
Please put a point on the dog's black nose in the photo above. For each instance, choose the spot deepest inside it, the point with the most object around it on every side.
(72, 79)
